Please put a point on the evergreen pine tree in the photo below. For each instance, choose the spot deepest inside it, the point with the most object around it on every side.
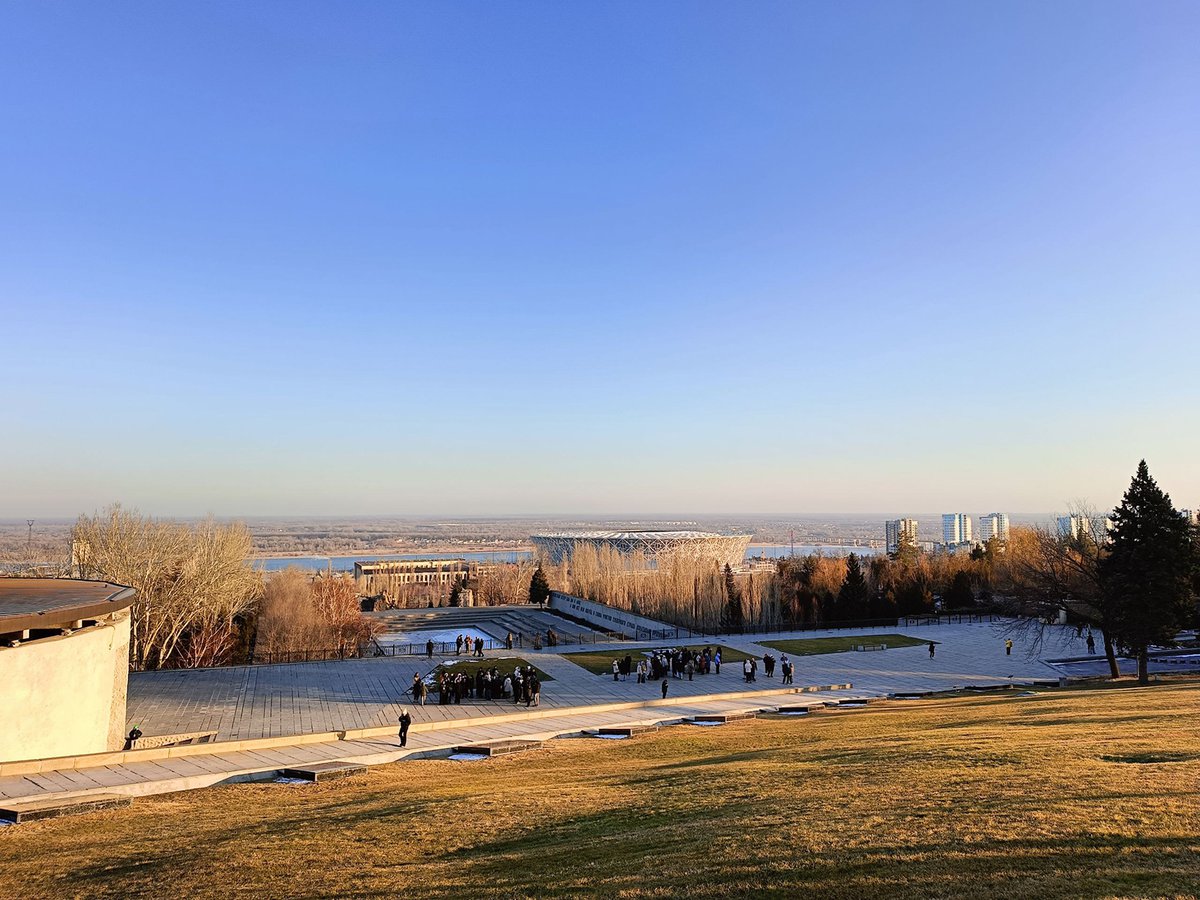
(907, 551)
(733, 619)
(539, 586)
(961, 593)
(854, 596)
(1147, 574)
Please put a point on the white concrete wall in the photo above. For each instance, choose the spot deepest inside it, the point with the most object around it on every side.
(604, 616)
(65, 696)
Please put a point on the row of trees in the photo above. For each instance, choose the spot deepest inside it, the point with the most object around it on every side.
(1134, 577)
(199, 604)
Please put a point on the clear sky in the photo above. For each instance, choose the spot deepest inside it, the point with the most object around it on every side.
(446, 257)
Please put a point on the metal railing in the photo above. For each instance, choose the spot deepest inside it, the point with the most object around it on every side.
(383, 647)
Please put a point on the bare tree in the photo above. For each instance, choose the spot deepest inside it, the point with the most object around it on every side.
(1051, 572)
(193, 584)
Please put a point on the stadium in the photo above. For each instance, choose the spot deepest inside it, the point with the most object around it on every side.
(657, 545)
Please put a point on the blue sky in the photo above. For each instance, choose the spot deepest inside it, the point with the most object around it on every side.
(265, 258)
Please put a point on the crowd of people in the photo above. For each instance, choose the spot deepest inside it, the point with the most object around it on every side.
(683, 663)
(668, 662)
(521, 685)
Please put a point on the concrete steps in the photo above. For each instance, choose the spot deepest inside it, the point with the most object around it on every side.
(321, 772)
(53, 807)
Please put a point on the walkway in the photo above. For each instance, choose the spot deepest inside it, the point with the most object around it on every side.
(207, 765)
(249, 702)
(277, 716)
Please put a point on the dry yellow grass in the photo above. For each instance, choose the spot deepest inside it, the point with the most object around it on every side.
(984, 797)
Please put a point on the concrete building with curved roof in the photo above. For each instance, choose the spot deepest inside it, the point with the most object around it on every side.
(64, 665)
(656, 545)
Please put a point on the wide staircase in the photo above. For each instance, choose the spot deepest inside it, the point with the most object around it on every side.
(527, 624)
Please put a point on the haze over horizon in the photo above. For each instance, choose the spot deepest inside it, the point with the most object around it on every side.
(563, 259)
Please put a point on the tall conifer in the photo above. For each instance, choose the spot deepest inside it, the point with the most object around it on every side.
(1147, 574)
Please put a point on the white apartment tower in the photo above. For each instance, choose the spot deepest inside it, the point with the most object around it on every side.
(1191, 515)
(993, 525)
(956, 528)
(897, 527)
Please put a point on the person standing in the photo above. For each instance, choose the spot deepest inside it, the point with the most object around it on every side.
(666, 684)
(458, 642)
(931, 649)
(717, 662)
(429, 648)
(616, 670)
(1008, 647)
(1091, 642)
(405, 721)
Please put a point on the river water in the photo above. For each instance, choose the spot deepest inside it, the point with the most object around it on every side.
(346, 563)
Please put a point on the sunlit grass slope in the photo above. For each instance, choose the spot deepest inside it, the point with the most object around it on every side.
(1058, 794)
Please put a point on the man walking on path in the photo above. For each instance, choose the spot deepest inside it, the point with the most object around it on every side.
(931, 649)
(1008, 647)
(405, 721)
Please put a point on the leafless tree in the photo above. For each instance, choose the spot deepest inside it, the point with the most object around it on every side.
(192, 582)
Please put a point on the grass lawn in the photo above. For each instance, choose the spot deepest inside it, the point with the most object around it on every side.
(600, 661)
(505, 664)
(1052, 795)
(816, 646)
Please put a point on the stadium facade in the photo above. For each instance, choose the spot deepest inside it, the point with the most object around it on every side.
(656, 545)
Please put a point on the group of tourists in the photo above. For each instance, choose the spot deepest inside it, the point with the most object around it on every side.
(474, 646)
(668, 662)
(522, 685)
(786, 667)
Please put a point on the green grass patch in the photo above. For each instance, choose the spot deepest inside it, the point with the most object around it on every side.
(504, 664)
(818, 646)
(599, 662)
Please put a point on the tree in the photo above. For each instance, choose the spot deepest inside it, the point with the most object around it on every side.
(854, 597)
(539, 587)
(335, 598)
(907, 552)
(193, 585)
(1050, 574)
(961, 593)
(732, 617)
(1147, 574)
(456, 590)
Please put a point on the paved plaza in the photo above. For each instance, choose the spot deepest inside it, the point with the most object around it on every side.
(278, 705)
(248, 702)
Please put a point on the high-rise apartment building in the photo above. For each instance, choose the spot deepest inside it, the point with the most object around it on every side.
(1192, 516)
(956, 528)
(993, 525)
(897, 527)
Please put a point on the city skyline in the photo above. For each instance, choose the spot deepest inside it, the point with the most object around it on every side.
(557, 259)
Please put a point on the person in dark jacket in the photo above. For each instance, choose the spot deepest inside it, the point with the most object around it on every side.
(665, 685)
(405, 721)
